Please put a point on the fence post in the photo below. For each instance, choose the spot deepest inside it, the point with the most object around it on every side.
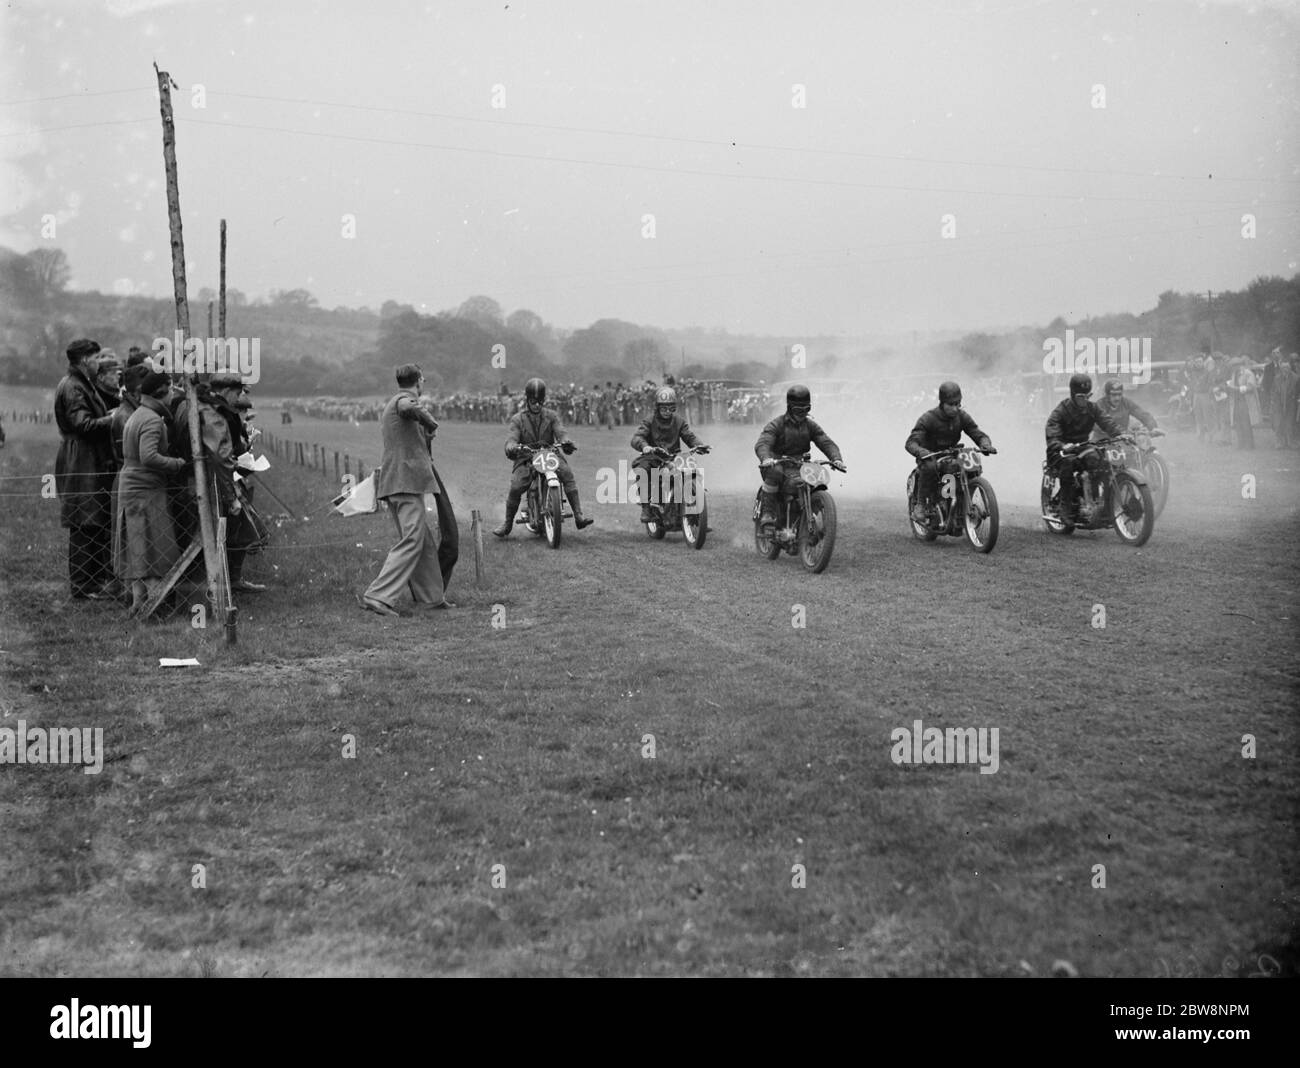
(336, 465)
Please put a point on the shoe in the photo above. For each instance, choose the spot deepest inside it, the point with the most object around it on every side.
(504, 529)
(582, 522)
(428, 606)
(920, 514)
(248, 587)
(378, 607)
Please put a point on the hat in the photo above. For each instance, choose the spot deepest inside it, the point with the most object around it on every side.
(220, 382)
(81, 348)
(154, 380)
(108, 364)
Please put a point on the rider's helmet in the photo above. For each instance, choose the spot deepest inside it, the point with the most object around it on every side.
(1114, 390)
(950, 393)
(535, 392)
(665, 404)
(1080, 384)
(798, 403)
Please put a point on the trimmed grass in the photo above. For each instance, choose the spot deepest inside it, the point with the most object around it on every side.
(522, 746)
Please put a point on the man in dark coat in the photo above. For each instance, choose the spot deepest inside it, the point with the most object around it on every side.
(940, 428)
(1070, 423)
(791, 434)
(666, 430)
(405, 475)
(83, 473)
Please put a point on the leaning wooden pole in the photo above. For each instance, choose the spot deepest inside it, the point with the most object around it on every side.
(207, 529)
(221, 292)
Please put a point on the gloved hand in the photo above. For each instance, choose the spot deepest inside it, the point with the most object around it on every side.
(646, 450)
(569, 448)
(766, 463)
(991, 450)
(1053, 451)
(1157, 433)
(511, 451)
(838, 465)
(702, 449)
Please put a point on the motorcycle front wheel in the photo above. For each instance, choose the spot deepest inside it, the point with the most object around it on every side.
(817, 533)
(696, 527)
(553, 518)
(1133, 511)
(1157, 473)
(981, 516)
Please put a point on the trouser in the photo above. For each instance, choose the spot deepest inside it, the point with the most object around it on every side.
(90, 559)
(927, 479)
(413, 562)
(1065, 469)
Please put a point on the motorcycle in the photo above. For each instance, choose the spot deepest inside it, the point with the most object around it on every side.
(1118, 496)
(545, 507)
(966, 505)
(682, 504)
(808, 527)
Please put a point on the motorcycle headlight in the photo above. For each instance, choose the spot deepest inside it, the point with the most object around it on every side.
(813, 474)
(1115, 456)
(681, 462)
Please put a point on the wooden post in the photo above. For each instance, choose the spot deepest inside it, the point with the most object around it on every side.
(347, 464)
(476, 528)
(336, 465)
(221, 293)
(361, 471)
(209, 318)
(206, 527)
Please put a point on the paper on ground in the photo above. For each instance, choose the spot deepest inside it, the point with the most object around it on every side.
(167, 661)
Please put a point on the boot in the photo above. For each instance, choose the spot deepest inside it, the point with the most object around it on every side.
(512, 506)
(579, 520)
(647, 516)
(767, 517)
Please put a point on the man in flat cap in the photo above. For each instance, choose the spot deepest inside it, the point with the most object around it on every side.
(83, 472)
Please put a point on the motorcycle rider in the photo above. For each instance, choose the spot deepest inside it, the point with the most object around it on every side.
(665, 430)
(1070, 423)
(940, 428)
(1122, 410)
(534, 426)
(789, 435)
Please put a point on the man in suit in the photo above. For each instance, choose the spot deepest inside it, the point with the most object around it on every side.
(406, 474)
(83, 472)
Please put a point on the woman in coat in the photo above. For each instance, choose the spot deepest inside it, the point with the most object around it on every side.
(147, 545)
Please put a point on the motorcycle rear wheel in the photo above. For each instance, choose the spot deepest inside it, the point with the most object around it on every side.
(1056, 525)
(766, 545)
(817, 533)
(981, 519)
(920, 531)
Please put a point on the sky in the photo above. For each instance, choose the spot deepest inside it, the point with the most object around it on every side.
(832, 168)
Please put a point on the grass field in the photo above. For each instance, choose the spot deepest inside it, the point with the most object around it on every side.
(524, 745)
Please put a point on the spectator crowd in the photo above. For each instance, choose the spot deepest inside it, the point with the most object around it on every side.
(125, 475)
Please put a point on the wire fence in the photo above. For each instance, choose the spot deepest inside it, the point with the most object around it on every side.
(129, 532)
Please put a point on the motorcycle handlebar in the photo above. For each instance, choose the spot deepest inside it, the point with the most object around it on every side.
(955, 450)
